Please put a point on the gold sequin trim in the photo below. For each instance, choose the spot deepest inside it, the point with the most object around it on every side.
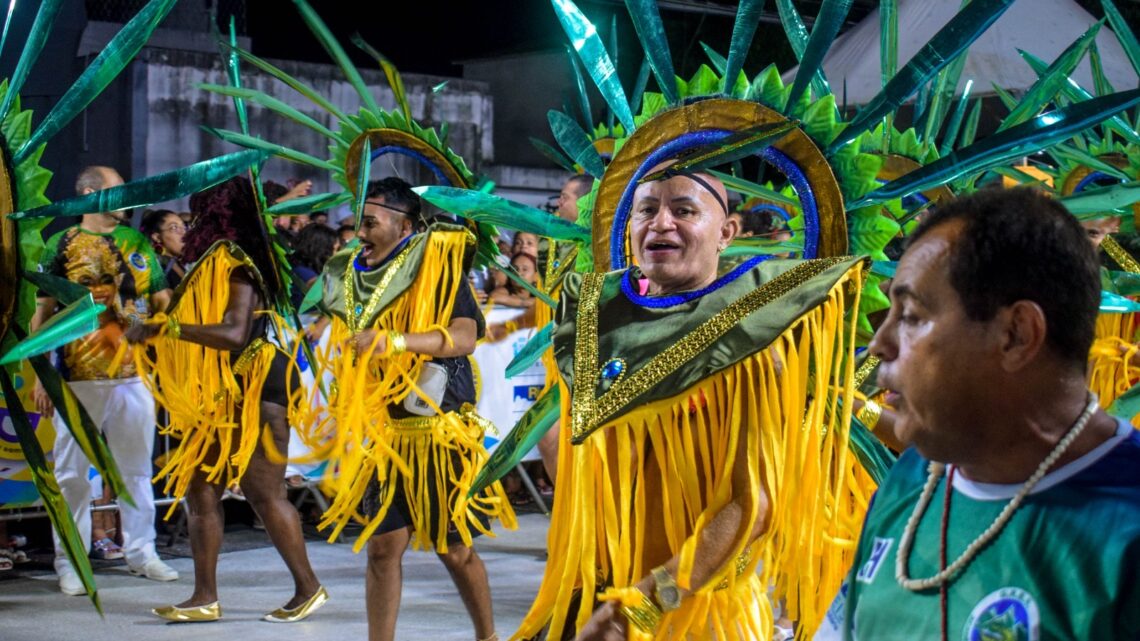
(589, 410)
(1120, 255)
(350, 315)
(864, 371)
(426, 423)
(248, 354)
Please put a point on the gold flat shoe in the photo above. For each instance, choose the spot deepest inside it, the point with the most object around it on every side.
(197, 614)
(314, 603)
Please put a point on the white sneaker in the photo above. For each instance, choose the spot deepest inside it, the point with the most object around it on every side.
(155, 570)
(70, 584)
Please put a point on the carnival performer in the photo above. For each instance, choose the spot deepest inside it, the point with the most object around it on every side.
(685, 400)
(985, 350)
(408, 442)
(223, 383)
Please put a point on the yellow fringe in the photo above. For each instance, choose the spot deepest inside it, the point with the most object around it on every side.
(780, 405)
(360, 438)
(201, 389)
(1111, 372)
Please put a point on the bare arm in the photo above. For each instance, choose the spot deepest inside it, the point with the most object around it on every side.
(231, 334)
(463, 333)
(45, 309)
(714, 549)
(160, 301)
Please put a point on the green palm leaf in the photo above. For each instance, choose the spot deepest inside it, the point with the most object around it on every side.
(281, 151)
(735, 147)
(1052, 81)
(495, 210)
(743, 30)
(310, 203)
(328, 41)
(1123, 33)
(527, 432)
(273, 105)
(553, 155)
(590, 49)
(718, 61)
(54, 504)
(300, 87)
(362, 176)
(147, 191)
(82, 428)
(651, 31)
(1076, 93)
(575, 142)
(797, 34)
(532, 351)
(1100, 81)
(71, 323)
(1043, 131)
(1102, 199)
(951, 135)
(754, 190)
(954, 38)
(830, 18)
(395, 81)
(41, 29)
(104, 69)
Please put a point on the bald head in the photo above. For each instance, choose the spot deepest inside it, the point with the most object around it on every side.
(678, 227)
(96, 178)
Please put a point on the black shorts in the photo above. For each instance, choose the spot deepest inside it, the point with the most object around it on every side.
(399, 514)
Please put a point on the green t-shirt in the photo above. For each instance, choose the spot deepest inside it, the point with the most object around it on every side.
(1065, 567)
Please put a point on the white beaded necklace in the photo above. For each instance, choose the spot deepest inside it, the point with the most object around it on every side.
(936, 471)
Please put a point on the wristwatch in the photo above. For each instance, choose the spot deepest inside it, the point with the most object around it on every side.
(666, 591)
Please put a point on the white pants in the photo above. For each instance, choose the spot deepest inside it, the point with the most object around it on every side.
(123, 410)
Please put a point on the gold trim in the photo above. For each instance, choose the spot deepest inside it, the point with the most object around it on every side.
(1120, 255)
(351, 318)
(864, 371)
(589, 410)
(395, 137)
(896, 166)
(241, 366)
(9, 248)
(725, 114)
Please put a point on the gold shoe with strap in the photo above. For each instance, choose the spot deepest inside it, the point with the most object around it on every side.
(292, 615)
(196, 614)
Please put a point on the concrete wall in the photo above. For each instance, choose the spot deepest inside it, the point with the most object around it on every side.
(169, 110)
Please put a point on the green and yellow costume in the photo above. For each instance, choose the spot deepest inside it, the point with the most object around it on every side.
(434, 457)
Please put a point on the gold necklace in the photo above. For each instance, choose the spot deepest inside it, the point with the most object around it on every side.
(936, 471)
(354, 311)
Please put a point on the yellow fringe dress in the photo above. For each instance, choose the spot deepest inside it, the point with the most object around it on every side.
(646, 458)
(431, 459)
(203, 389)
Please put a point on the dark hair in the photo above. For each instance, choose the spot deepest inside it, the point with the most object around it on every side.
(397, 193)
(313, 247)
(1019, 244)
(760, 222)
(228, 211)
(152, 221)
(272, 191)
(313, 216)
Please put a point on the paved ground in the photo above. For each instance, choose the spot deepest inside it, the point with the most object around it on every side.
(253, 581)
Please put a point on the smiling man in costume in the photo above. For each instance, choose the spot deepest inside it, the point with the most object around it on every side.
(687, 402)
(410, 440)
(1017, 513)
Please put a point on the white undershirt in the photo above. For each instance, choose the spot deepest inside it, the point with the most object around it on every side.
(1003, 492)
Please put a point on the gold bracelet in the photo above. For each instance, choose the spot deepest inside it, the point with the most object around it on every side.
(645, 617)
(397, 344)
(173, 328)
(870, 414)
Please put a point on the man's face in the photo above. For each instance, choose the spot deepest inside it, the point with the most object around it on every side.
(568, 200)
(678, 230)
(298, 223)
(936, 361)
(525, 243)
(111, 178)
(381, 229)
(1099, 228)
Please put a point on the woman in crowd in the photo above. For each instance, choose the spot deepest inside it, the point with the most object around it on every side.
(165, 230)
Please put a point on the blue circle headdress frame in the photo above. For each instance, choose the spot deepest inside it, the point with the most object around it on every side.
(676, 130)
